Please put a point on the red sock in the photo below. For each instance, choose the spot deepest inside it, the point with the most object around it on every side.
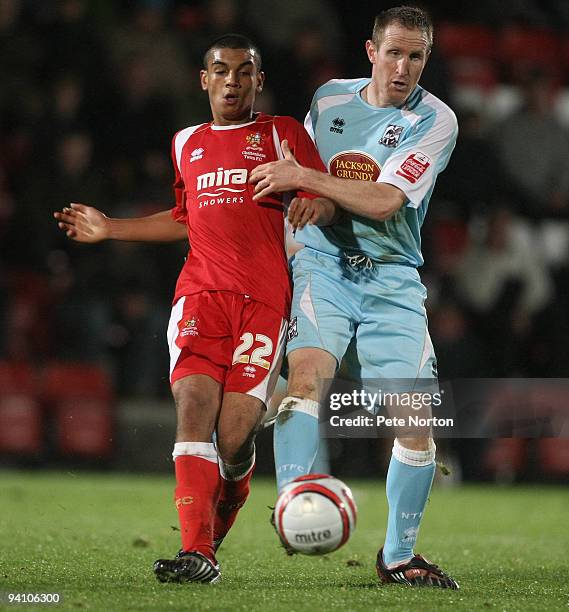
(196, 495)
(232, 497)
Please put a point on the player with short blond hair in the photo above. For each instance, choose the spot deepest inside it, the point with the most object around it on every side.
(384, 140)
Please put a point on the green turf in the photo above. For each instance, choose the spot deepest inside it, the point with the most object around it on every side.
(93, 539)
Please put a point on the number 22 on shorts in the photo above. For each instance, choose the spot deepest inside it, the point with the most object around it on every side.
(257, 355)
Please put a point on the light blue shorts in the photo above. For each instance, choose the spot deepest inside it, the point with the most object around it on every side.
(379, 313)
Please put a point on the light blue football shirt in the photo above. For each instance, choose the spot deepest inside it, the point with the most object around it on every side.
(405, 146)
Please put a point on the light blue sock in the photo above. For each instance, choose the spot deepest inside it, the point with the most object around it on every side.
(321, 463)
(409, 481)
(296, 439)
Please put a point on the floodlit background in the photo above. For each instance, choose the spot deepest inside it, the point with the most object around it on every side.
(91, 94)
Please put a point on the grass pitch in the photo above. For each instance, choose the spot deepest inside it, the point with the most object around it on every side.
(93, 538)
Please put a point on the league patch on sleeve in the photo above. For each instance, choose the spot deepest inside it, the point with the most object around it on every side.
(413, 168)
(292, 329)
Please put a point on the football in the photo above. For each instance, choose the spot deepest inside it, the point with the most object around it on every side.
(315, 514)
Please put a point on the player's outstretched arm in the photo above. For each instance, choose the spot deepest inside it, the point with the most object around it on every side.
(378, 201)
(83, 223)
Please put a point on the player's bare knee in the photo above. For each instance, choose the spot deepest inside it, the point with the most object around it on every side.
(415, 451)
(197, 391)
(417, 444)
(308, 369)
(305, 380)
(197, 402)
(236, 448)
(239, 422)
(304, 388)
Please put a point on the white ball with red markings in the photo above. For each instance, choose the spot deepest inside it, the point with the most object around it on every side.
(315, 514)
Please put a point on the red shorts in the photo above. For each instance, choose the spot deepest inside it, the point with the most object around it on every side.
(232, 338)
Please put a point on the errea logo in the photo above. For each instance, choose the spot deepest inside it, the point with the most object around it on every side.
(249, 371)
(196, 154)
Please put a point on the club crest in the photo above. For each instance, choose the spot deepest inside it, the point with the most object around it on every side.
(391, 136)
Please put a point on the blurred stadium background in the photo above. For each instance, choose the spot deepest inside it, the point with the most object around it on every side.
(91, 94)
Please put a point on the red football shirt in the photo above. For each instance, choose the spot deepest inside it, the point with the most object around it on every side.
(236, 244)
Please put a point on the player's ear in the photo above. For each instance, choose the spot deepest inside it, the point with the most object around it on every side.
(371, 51)
(203, 79)
(260, 81)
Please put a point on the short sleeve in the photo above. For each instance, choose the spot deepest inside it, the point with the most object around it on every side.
(179, 212)
(310, 122)
(418, 160)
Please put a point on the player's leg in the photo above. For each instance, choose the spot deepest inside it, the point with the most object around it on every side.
(239, 421)
(198, 401)
(321, 464)
(320, 331)
(409, 479)
(398, 325)
(259, 341)
(197, 372)
(296, 434)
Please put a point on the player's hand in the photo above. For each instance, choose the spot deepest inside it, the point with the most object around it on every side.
(278, 176)
(319, 211)
(83, 223)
